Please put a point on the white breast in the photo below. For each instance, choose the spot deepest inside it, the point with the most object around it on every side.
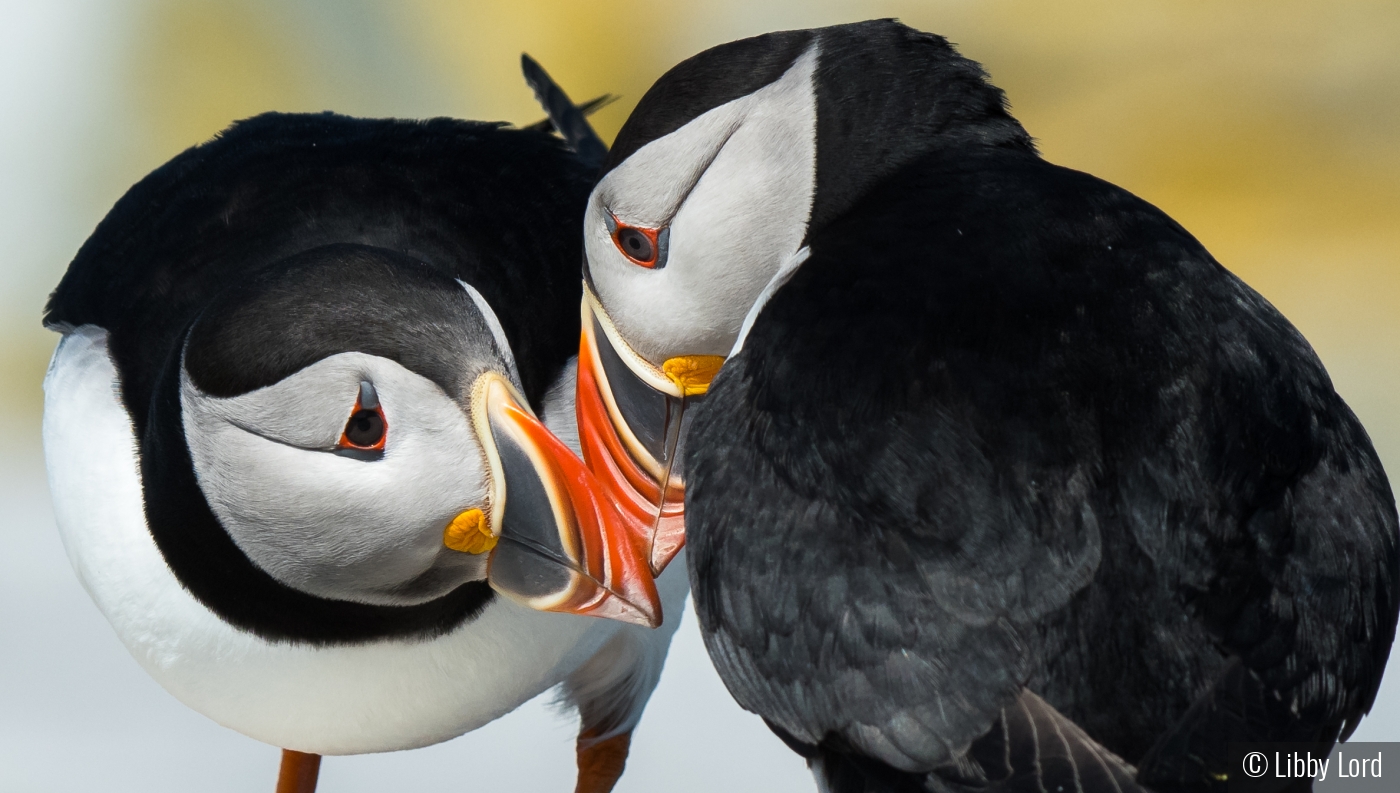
(382, 696)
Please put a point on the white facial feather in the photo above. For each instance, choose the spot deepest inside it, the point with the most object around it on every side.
(781, 277)
(334, 525)
(497, 332)
(736, 187)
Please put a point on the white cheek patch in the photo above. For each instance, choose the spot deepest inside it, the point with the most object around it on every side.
(640, 198)
(731, 229)
(306, 410)
(335, 525)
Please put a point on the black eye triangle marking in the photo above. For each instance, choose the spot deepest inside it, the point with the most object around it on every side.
(369, 398)
(366, 428)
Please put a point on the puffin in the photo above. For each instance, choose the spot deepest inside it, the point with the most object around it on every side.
(990, 477)
(312, 445)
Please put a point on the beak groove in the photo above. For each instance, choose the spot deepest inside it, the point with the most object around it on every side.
(561, 546)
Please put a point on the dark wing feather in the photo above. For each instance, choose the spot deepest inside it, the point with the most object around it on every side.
(569, 119)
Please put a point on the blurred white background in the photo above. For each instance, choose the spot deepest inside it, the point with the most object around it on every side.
(1267, 127)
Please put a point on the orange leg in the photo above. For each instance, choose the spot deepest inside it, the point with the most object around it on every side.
(298, 773)
(600, 763)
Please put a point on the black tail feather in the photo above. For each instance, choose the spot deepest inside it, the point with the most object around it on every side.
(566, 117)
(587, 108)
(1032, 748)
(1035, 748)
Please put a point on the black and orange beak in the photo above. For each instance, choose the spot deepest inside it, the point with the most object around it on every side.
(556, 542)
(631, 421)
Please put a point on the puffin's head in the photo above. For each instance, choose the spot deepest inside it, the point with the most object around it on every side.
(717, 181)
(356, 425)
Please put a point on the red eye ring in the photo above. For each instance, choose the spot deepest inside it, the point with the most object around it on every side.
(366, 429)
(642, 246)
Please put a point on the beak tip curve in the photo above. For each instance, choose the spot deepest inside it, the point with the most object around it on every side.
(631, 613)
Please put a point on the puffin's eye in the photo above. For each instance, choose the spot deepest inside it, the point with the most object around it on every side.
(365, 430)
(635, 245)
(366, 427)
(643, 246)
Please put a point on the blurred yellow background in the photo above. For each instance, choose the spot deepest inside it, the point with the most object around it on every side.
(1266, 127)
